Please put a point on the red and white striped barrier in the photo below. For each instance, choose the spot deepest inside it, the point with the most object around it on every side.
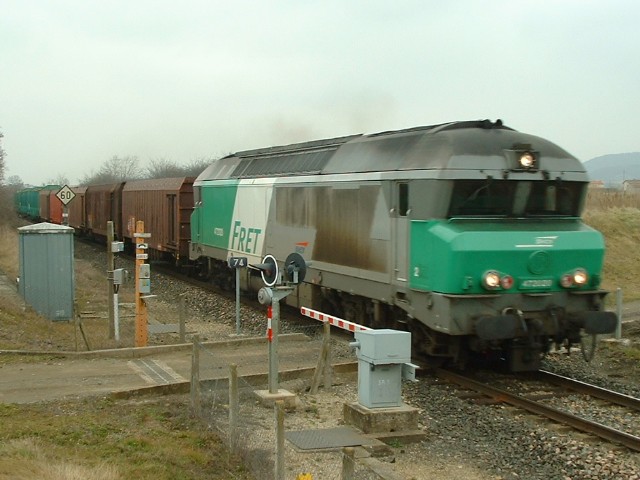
(269, 329)
(335, 321)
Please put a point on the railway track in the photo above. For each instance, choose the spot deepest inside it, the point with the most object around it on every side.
(537, 407)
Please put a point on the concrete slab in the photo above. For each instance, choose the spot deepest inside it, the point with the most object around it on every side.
(381, 420)
(269, 399)
(327, 438)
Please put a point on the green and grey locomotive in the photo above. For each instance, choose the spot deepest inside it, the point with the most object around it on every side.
(466, 234)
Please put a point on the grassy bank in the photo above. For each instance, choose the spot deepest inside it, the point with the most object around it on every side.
(617, 216)
(104, 439)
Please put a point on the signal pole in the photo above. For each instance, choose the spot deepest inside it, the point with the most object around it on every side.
(110, 268)
(141, 306)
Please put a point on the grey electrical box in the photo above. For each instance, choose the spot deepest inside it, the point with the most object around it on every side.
(46, 269)
(384, 346)
(118, 276)
(117, 247)
(381, 355)
(144, 285)
(145, 270)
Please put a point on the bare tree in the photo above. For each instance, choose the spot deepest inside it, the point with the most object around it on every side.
(116, 169)
(163, 168)
(61, 180)
(6, 206)
(197, 166)
(15, 182)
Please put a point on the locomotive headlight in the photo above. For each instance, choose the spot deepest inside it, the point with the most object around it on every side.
(527, 160)
(522, 157)
(491, 280)
(576, 278)
(494, 280)
(580, 277)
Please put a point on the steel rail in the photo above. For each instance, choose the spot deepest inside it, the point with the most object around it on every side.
(610, 434)
(592, 390)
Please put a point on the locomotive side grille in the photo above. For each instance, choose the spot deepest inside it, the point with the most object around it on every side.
(288, 164)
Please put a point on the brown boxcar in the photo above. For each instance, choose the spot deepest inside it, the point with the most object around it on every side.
(165, 206)
(76, 209)
(102, 204)
(55, 208)
(45, 201)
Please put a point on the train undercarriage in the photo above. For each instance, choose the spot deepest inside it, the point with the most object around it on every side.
(514, 340)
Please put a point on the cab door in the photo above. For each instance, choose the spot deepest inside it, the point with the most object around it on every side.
(400, 222)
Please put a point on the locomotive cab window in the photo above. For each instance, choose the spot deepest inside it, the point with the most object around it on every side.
(505, 198)
(403, 199)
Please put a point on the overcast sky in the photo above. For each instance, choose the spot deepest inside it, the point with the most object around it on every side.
(82, 81)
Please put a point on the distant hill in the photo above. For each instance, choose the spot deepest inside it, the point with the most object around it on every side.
(612, 169)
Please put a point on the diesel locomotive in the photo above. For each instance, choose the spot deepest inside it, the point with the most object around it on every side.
(467, 234)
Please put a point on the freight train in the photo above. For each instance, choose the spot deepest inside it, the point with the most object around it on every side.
(467, 234)
(165, 205)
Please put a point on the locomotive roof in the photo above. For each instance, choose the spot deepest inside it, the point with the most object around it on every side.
(455, 145)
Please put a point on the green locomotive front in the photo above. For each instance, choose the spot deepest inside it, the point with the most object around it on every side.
(511, 272)
(468, 234)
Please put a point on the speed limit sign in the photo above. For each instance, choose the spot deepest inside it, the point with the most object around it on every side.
(65, 195)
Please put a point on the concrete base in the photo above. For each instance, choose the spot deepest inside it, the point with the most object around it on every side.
(386, 424)
(268, 399)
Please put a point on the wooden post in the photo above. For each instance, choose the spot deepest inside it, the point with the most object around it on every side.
(322, 360)
(348, 463)
(279, 467)
(195, 376)
(326, 351)
(233, 408)
(182, 313)
(110, 268)
(141, 306)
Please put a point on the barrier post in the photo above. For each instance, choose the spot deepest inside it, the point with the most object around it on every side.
(619, 313)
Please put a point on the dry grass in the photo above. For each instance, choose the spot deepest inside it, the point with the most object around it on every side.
(9, 250)
(103, 439)
(611, 199)
(617, 216)
(26, 459)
